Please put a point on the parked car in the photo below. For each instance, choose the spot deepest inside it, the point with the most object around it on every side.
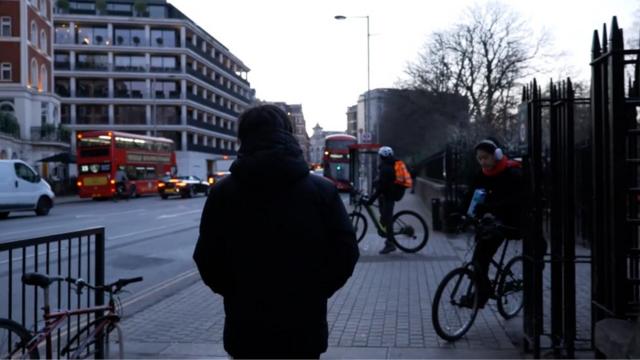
(185, 186)
(22, 189)
(213, 178)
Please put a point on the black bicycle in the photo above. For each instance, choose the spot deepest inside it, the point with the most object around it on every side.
(455, 304)
(409, 230)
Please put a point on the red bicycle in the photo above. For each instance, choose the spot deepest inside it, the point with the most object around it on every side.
(17, 342)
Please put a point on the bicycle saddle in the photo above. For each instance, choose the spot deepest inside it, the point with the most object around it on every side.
(36, 279)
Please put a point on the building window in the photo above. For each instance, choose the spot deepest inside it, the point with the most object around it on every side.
(5, 72)
(92, 61)
(63, 87)
(93, 88)
(92, 114)
(164, 63)
(34, 73)
(44, 79)
(44, 112)
(130, 63)
(62, 61)
(119, 9)
(156, 11)
(5, 26)
(130, 88)
(43, 41)
(78, 7)
(163, 38)
(43, 8)
(34, 34)
(166, 89)
(65, 114)
(168, 115)
(130, 115)
(130, 37)
(92, 35)
(63, 34)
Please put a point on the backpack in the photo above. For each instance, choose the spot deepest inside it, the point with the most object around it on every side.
(403, 180)
(403, 176)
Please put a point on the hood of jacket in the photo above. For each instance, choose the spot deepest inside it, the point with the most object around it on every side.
(272, 159)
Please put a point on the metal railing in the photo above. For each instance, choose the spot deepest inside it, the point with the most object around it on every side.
(78, 254)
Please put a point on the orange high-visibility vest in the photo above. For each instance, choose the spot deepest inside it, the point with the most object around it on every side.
(403, 177)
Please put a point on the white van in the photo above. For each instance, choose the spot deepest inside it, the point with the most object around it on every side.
(21, 188)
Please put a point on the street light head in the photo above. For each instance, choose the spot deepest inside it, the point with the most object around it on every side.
(340, 17)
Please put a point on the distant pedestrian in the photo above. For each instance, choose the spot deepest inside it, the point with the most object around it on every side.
(275, 242)
(414, 175)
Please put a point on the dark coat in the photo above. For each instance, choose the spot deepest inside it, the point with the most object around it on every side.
(505, 195)
(276, 243)
(385, 183)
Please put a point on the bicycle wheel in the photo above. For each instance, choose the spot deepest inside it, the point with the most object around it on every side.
(410, 231)
(510, 289)
(13, 339)
(455, 305)
(359, 223)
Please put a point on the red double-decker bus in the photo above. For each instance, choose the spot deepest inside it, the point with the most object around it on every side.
(144, 160)
(335, 160)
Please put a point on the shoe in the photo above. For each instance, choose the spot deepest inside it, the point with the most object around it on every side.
(387, 249)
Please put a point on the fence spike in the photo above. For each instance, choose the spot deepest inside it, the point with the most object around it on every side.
(595, 46)
(615, 39)
(605, 39)
(569, 88)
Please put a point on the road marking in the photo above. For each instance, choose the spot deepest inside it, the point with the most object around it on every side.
(179, 214)
(101, 215)
(158, 287)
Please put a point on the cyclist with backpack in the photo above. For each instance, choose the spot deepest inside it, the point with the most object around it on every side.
(393, 179)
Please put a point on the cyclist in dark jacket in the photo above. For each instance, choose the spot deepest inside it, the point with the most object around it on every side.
(501, 210)
(385, 190)
(276, 243)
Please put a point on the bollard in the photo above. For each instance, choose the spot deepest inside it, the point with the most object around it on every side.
(435, 214)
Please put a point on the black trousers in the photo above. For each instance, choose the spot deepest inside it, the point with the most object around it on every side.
(386, 215)
(488, 241)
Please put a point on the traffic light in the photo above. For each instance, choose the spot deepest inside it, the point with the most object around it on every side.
(338, 167)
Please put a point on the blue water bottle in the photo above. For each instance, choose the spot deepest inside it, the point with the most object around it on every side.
(478, 198)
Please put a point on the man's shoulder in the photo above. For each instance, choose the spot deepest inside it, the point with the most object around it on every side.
(321, 183)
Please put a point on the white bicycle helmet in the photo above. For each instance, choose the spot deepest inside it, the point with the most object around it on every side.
(385, 151)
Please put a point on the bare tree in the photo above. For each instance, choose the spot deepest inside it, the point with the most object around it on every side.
(484, 57)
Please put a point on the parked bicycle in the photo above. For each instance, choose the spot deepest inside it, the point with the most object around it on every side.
(18, 342)
(456, 304)
(409, 230)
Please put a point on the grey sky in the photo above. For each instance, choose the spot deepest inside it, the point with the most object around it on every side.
(298, 53)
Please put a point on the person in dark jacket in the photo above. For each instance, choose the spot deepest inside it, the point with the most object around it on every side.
(501, 210)
(385, 190)
(275, 242)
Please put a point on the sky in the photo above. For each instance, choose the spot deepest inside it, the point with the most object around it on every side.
(298, 53)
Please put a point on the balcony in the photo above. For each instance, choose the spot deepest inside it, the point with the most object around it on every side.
(92, 67)
(130, 68)
(160, 69)
(167, 95)
(203, 125)
(211, 104)
(125, 94)
(210, 150)
(200, 75)
(216, 61)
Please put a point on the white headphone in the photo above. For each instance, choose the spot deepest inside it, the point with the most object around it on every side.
(497, 153)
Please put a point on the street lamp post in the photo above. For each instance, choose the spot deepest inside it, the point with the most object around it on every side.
(366, 95)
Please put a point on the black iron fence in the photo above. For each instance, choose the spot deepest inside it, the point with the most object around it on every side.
(615, 94)
(78, 254)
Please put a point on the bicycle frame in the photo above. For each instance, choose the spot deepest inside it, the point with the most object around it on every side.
(498, 265)
(54, 319)
(372, 215)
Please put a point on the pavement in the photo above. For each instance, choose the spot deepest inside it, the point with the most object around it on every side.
(384, 311)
